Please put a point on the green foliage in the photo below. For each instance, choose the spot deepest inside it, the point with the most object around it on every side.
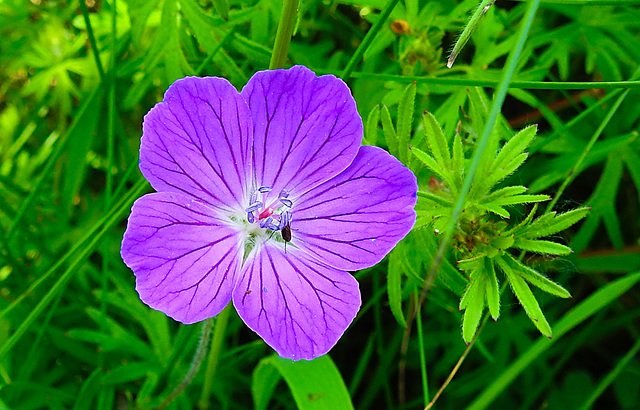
(77, 81)
(482, 245)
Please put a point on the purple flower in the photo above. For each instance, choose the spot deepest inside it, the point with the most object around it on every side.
(266, 198)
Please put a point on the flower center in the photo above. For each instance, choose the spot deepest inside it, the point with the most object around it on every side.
(273, 217)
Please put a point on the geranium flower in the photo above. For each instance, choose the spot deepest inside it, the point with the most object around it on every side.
(233, 172)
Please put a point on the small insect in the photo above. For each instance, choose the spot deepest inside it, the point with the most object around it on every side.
(286, 235)
(247, 292)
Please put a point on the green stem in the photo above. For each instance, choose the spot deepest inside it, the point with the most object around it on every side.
(357, 56)
(92, 38)
(214, 355)
(283, 36)
(201, 351)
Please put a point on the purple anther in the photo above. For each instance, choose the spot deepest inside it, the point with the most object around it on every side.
(250, 217)
(254, 206)
(283, 194)
(264, 189)
(286, 202)
(269, 223)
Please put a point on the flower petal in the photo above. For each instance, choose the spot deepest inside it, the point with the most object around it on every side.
(197, 142)
(185, 259)
(299, 306)
(306, 128)
(353, 220)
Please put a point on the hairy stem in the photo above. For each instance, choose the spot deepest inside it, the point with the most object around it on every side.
(201, 351)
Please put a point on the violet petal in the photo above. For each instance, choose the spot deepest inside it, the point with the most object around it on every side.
(298, 305)
(185, 259)
(197, 142)
(306, 128)
(353, 220)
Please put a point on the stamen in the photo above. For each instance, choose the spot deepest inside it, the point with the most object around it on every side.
(286, 202)
(250, 217)
(264, 189)
(254, 206)
(285, 219)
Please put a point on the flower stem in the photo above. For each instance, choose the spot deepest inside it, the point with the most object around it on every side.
(283, 36)
(201, 351)
(214, 355)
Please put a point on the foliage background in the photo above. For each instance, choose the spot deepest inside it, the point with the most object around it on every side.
(77, 78)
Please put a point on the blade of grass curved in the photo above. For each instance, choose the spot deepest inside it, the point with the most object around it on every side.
(498, 100)
(366, 42)
(466, 82)
(609, 378)
(83, 249)
(583, 311)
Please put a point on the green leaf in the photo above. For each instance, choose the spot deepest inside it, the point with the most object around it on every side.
(492, 288)
(595, 303)
(437, 141)
(88, 391)
(405, 121)
(394, 288)
(129, 372)
(457, 161)
(315, 384)
(515, 146)
(551, 223)
(536, 278)
(371, 129)
(505, 192)
(521, 199)
(541, 246)
(78, 146)
(435, 167)
(389, 131)
(437, 199)
(484, 184)
(526, 298)
(496, 209)
(264, 380)
(473, 306)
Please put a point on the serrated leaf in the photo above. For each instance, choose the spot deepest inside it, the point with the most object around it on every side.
(492, 289)
(542, 246)
(457, 160)
(389, 131)
(522, 199)
(371, 129)
(515, 146)
(471, 264)
(536, 278)
(437, 141)
(526, 298)
(405, 121)
(549, 225)
(431, 163)
(437, 199)
(496, 209)
(504, 192)
(473, 308)
(483, 184)
(394, 289)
